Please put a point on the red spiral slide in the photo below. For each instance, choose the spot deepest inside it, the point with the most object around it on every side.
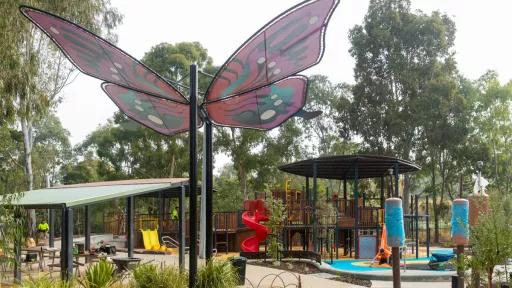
(255, 213)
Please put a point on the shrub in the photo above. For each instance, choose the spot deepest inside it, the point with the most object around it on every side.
(100, 275)
(218, 274)
(150, 275)
(46, 282)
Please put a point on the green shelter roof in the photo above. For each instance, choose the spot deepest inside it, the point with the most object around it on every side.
(91, 193)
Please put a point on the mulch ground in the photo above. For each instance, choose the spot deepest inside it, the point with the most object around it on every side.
(307, 268)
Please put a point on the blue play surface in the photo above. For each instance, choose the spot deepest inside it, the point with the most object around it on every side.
(362, 265)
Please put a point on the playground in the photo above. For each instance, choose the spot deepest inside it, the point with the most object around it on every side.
(347, 190)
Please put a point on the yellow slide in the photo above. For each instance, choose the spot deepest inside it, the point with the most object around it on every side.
(151, 242)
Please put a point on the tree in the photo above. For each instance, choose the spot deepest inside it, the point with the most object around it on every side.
(35, 72)
(491, 238)
(399, 57)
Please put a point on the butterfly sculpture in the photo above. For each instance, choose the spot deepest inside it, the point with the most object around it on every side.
(257, 87)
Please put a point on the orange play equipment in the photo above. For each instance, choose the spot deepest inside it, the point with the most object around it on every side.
(384, 250)
(255, 212)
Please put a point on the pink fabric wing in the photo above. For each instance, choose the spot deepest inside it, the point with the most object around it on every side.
(290, 43)
(98, 58)
(164, 116)
(264, 108)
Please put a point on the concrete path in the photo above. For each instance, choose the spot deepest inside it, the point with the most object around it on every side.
(388, 284)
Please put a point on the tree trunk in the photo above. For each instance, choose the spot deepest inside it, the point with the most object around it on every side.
(490, 270)
(26, 128)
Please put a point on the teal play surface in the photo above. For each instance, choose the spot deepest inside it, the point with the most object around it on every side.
(363, 265)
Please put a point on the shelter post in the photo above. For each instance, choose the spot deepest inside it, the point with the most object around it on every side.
(417, 228)
(130, 211)
(87, 228)
(396, 172)
(382, 192)
(345, 195)
(17, 251)
(161, 211)
(356, 209)
(427, 226)
(192, 270)
(51, 221)
(181, 229)
(315, 216)
(308, 196)
(209, 189)
(66, 263)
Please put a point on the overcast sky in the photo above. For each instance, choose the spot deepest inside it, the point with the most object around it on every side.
(482, 43)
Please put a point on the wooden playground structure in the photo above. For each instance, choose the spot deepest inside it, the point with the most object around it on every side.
(352, 228)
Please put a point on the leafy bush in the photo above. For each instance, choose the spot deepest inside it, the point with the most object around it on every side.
(150, 275)
(100, 275)
(277, 211)
(46, 282)
(218, 274)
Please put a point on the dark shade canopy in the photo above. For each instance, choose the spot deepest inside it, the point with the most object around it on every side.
(343, 166)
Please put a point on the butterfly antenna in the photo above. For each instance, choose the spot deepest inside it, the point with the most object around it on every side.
(206, 74)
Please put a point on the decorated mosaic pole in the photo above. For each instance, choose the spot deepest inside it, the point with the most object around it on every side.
(395, 234)
(460, 232)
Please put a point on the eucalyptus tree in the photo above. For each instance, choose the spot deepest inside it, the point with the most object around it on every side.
(35, 71)
(399, 54)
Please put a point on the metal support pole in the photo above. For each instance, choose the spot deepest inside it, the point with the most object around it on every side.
(427, 215)
(130, 211)
(308, 196)
(460, 273)
(181, 229)
(381, 192)
(315, 216)
(209, 189)
(87, 228)
(345, 196)
(395, 253)
(51, 221)
(396, 172)
(417, 228)
(356, 209)
(17, 250)
(67, 244)
(192, 269)
(161, 210)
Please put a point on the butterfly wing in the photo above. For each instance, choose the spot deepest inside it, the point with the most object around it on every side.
(288, 44)
(263, 108)
(98, 58)
(164, 116)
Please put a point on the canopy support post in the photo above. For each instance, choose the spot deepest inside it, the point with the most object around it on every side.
(129, 225)
(51, 221)
(356, 209)
(193, 177)
(315, 216)
(87, 228)
(181, 229)
(209, 189)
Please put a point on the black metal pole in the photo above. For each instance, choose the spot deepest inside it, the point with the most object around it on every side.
(395, 255)
(381, 192)
(356, 209)
(130, 211)
(63, 244)
(427, 226)
(416, 206)
(87, 228)
(67, 238)
(396, 180)
(308, 197)
(345, 196)
(209, 188)
(315, 218)
(161, 210)
(192, 270)
(181, 229)
(51, 221)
